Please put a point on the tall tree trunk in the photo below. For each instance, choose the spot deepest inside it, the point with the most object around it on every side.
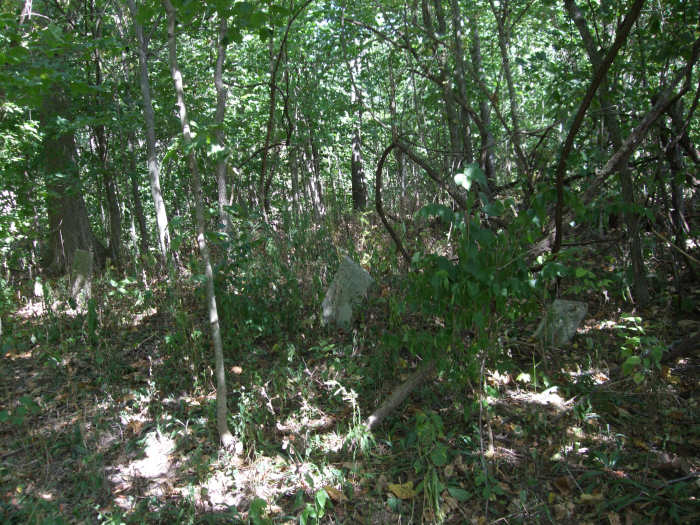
(152, 160)
(357, 172)
(503, 45)
(115, 220)
(454, 158)
(136, 196)
(486, 157)
(221, 94)
(115, 226)
(227, 438)
(398, 154)
(69, 226)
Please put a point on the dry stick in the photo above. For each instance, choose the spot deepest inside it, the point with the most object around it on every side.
(620, 38)
(380, 207)
(675, 247)
(424, 372)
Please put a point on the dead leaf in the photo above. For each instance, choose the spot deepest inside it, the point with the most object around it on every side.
(591, 498)
(563, 511)
(402, 491)
(135, 427)
(563, 485)
(614, 518)
(335, 494)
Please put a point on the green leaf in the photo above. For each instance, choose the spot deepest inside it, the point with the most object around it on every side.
(439, 455)
(459, 494)
(630, 363)
(321, 500)
(256, 20)
(471, 173)
(445, 213)
(494, 209)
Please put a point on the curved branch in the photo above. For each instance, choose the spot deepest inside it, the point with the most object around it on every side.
(620, 38)
(380, 207)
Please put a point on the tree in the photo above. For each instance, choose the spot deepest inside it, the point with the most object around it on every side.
(227, 439)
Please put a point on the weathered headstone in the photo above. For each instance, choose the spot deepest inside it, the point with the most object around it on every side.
(560, 323)
(348, 289)
(81, 277)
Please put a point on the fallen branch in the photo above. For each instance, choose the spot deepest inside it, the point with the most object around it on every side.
(424, 372)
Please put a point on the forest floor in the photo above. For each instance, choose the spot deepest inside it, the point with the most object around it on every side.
(107, 417)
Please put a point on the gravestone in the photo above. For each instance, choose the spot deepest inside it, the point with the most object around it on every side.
(348, 289)
(81, 277)
(560, 323)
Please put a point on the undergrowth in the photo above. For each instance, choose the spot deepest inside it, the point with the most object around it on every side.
(107, 411)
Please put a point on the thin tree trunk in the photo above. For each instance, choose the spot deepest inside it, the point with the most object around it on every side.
(115, 243)
(136, 196)
(503, 44)
(227, 438)
(221, 95)
(149, 117)
(601, 65)
(487, 141)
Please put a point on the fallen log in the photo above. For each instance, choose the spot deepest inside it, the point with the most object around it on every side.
(424, 372)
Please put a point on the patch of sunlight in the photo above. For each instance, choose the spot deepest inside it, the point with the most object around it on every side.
(157, 461)
(549, 397)
(219, 490)
(32, 309)
(156, 467)
(139, 317)
(331, 442)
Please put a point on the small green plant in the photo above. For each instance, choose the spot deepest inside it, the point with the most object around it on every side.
(314, 511)
(641, 352)
(26, 407)
(256, 512)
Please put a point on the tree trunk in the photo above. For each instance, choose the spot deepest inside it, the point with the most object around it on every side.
(227, 438)
(115, 221)
(503, 44)
(221, 95)
(69, 226)
(136, 196)
(149, 117)
(487, 141)
(604, 96)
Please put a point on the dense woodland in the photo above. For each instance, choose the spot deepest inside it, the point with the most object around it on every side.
(217, 159)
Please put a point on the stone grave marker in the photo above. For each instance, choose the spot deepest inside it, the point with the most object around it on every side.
(348, 289)
(561, 321)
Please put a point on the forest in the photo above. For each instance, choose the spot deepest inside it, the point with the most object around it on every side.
(349, 262)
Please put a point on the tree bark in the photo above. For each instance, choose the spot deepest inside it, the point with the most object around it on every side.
(152, 159)
(486, 157)
(227, 439)
(424, 372)
(136, 196)
(115, 220)
(69, 226)
(503, 45)
(601, 66)
(221, 95)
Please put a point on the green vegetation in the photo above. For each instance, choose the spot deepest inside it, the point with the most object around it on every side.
(214, 161)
